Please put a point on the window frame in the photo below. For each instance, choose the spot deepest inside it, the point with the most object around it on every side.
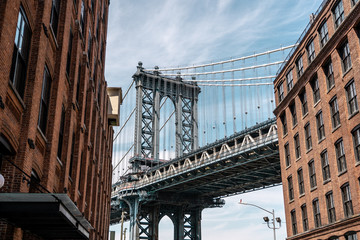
(325, 165)
(290, 188)
(330, 206)
(292, 108)
(310, 49)
(347, 201)
(356, 142)
(320, 125)
(293, 221)
(297, 147)
(312, 174)
(287, 154)
(345, 56)
(316, 212)
(299, 66)
(281, 94)
(21, 53)
(314, 83)
(300, 176)
(54, 17)
(303, 100)
(284, 122)
(329, 73)
(334, 111)
(308, 141)
(340, 156)
(337, 10)
(305, 220)
(323, 33)
(351, 97)
(289, 80)
(45, 101)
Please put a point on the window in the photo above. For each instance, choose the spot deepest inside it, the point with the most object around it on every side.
(315, 88)
(297, 146)
(316, 210)
(54, 18)
(303, 101)
(325, 165)
(78, 84)
(340, 156)
(293, 221)
(308, 136)
(34, 182)
(20, 53)
(68, 61)
(356, 139)
(290, 188)
(293, 113)
(304, 217)
(287, 155)
(284, 123)
(312, 173)
(301, 181)
(330, 207)
(350, 236)
(89, 45)
(280, 89)
(72, 155)
(338, 12)
(329, 73)
(82, 17)
(323, 33)
(351, 97)
(44, 102)
(97, 27)
(80, 170)
(289, 80)
(344, 52)
(346, 196)
(334, 109)
(311, 51)
(61, 132)
(299, 66)
(320, 125)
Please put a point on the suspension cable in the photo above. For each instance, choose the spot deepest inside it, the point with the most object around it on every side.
(226, 61)
(123, 157)
(122, 127)
(230, 85)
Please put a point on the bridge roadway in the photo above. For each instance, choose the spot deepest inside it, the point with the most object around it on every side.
(245, 161)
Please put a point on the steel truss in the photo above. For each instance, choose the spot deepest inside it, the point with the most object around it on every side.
(150, 89)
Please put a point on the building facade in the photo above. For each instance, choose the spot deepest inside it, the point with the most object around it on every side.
(319, 126)
(55, 133)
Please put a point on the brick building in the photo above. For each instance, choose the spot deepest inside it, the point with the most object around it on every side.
(319, 126)
(55, 131)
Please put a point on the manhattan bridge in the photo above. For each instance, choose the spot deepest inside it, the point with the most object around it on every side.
(191, 136)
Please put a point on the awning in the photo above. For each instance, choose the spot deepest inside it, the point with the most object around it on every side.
(51, 216)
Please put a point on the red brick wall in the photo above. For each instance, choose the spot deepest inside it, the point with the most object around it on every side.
(330, 50)
(19, 118)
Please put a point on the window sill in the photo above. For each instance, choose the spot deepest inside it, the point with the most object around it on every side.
(294, 126)
(309, 150)
(298, 159)
(70, 179)
(342, 173)
(285, 135)
(42, 134)
(336, 128)
(288, 167)
(59, 161)
(313, 189)
(53, 37)
(320, 140)
(301, 195)
(291, 201)
(305, 115)
(326, 181)
(347, 71)
(353, 114)
(357, 164)
(330, 88)
(317, 103)
(17, 95)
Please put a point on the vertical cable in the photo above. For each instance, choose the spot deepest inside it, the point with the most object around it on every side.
(233, 100)
(224, 102)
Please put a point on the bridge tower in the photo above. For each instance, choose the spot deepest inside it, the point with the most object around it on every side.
(151, 88)
(145, 210)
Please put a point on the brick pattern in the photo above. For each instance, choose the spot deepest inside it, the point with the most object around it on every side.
(86, 117)
(347, 30)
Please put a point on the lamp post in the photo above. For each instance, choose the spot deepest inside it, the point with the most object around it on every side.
(266, 219)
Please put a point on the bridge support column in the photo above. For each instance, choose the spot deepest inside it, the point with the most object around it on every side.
(134, 210)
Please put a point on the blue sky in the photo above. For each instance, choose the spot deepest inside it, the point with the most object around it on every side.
(185, 32)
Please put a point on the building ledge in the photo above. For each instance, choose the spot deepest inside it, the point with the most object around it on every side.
(51, 216)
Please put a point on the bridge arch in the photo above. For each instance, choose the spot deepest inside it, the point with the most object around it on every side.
(166, 227)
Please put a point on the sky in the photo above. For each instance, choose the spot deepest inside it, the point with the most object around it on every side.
(186, 32)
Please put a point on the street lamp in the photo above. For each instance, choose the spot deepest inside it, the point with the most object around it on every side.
(266, 219)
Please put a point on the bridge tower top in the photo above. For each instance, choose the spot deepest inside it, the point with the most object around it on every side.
(151, 88)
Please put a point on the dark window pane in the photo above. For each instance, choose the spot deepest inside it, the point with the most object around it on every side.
(45, 100)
